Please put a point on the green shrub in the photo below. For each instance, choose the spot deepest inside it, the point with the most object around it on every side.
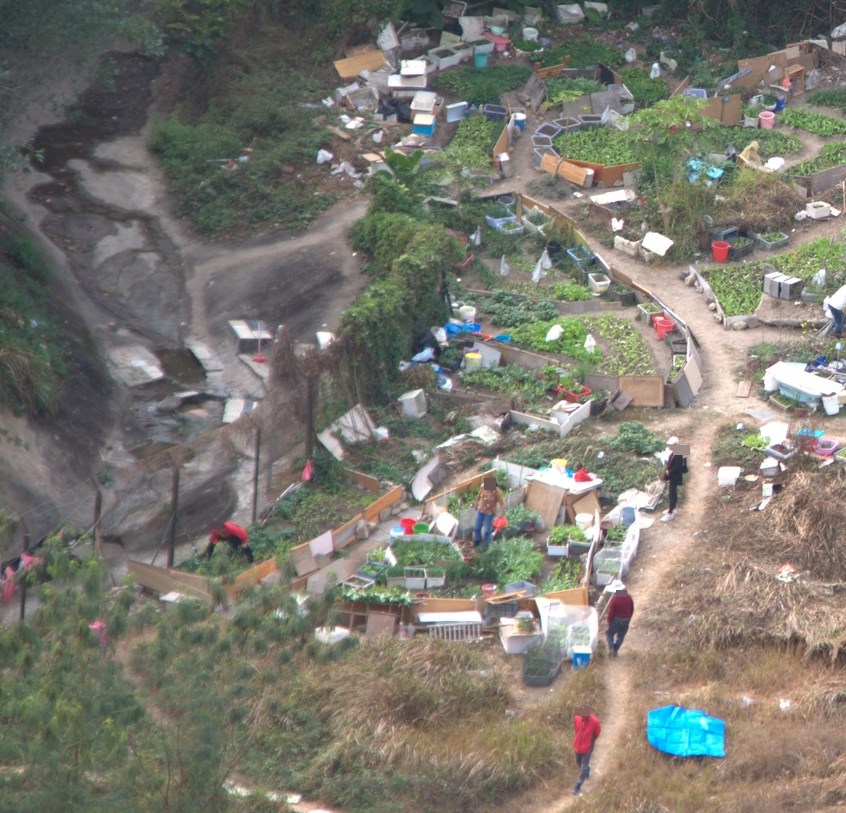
(482, 87)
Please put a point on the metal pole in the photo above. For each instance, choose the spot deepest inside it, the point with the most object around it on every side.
(310, 398)
(256, 472)
(98, 512)
(174, 505)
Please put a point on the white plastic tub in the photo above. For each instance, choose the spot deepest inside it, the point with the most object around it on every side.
(727, 476)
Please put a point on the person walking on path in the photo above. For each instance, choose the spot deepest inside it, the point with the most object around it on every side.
(235, 535)
(620, 612)
(674, 473)
(588, 730)
(836, 303)
(490, 499)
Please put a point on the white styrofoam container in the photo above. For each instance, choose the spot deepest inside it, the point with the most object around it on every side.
(413, 403)
(818, 209)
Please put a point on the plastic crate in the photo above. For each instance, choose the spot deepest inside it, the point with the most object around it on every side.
(529, 588)
(502, 609)
(581, 256)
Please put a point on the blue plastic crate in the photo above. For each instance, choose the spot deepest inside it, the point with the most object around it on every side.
(581, 658)
(581, 256)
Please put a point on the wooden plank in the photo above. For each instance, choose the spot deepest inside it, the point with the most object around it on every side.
(544, 499)
(645, 390)
(565, 169)
(361, 479)
(577, 596)
(743, 389)
(553, 70)
(352, 66)
(254, 575)
(379, 624)
(343, 535)
(387, 500)
(587, 504)
(153, 578)
(339, 133)
(303, 560)
(470, 482)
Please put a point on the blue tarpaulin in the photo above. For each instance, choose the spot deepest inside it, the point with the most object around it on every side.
(686, 732)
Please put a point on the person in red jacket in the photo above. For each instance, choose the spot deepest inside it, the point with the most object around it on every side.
(620, 612)
(235, 535)
(588, 730)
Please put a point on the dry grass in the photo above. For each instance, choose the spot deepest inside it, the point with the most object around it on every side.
(760, 202)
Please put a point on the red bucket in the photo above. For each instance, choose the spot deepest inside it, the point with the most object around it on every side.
(720, 251)
(663, 326)
(408, 524)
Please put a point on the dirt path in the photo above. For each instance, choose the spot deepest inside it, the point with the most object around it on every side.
(664, 546)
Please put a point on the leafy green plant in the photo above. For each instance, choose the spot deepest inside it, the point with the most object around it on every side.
(565, 576)
(482, 87)
(563, 90)
(583, 53)
(829, 97)
(508, 309)
(599, 145)
(471, 146)
(412, 552)
(633, 436)
(511, 560)
(521, 518)
(646, 91)
(375, 595)
(811, 122)
(571, 292)
(831, 155)
(510, 379)
(564, 533)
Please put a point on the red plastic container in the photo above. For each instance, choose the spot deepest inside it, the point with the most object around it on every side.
(408, 524)
(663, 325)
(720, 251)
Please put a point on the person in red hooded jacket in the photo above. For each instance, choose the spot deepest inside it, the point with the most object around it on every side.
(235, 535)
(588, 730)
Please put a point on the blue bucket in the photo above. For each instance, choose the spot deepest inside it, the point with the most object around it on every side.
(627, 515)
(779, 106)
(480, 60)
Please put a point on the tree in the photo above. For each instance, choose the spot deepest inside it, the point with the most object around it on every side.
(662, 138)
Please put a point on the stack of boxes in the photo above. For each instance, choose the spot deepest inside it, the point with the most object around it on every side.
(783, 286)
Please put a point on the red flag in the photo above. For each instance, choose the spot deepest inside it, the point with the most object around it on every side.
(308, 471)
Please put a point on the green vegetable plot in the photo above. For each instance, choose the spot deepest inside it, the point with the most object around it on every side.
(738, 287)
(510, 379)
(816, 123)
(621, 349)
(831, 155)
(833, 97)
(473, 142)
(559, 91)
(600, 145)
(482, 86)
(646, 91)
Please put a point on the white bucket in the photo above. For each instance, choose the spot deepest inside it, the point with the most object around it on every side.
(830, 404)
(584, 521)
(467, 313)
(727, 476)
(530, 34)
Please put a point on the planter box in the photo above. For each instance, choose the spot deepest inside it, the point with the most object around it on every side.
(588, 120)
(818, 210)
(645, 312)
(555, 550)
(535, 228)
(540, 152)
(598, 283)
(449, 59)
(484, 46)
(517, 643)
(511, 227)
(781, 451)
(533, 676)
(726, 234)
(514, 587)
(495, 112)
(630, 247)
(568, 124)
(771, 245)
(742, 251)
(581, 256)
(372, 570)
(496, 222)
(549, 129)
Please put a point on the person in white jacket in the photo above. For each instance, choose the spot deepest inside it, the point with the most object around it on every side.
(836, 304)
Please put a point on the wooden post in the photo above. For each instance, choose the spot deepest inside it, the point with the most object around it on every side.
(174, 504)
(98, 512)
(310, 399)
(256, 471)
